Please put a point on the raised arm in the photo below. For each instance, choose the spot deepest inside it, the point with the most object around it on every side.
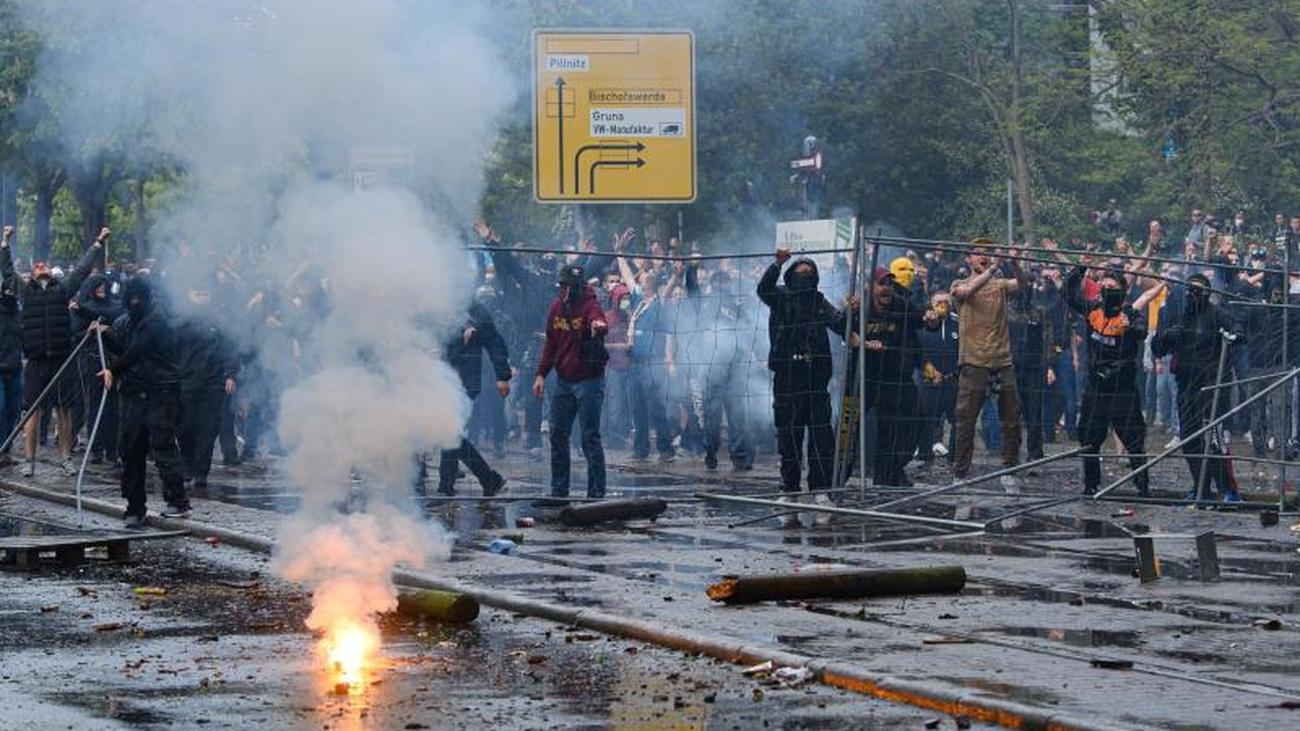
(1074, 290)
(6, 254)
(87, 263)
(1147, 295)
(964, 290)
(767, 291)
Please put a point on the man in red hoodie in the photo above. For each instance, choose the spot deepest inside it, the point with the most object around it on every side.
(575, 348)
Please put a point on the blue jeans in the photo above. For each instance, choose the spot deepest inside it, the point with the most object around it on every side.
(583, 400)
(11, 400)
(647, 393)
(990, 425)
(1167, 400)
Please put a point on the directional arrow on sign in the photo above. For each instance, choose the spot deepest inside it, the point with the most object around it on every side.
(559, 95)
(591, 181)
(614, 146)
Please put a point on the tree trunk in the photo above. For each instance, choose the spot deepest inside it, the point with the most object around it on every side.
(1016, 135)
(93, 202)
(140, 246)
(41, 226)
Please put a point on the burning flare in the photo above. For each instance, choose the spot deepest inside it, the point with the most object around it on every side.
(348, 647)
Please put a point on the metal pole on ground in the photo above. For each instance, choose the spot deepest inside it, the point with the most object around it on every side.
(976, 480)
(925, 519)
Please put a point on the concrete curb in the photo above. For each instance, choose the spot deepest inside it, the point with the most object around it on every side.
(940, 697)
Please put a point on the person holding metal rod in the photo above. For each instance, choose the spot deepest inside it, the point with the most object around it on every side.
(985, 355)
(47, 324)
(1115, 336)
(147, 364)
(1196, 339)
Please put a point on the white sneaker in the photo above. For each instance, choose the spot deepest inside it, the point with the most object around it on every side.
(1171, 442)
(1010, 484)
(29, 469)
(939, 449)
(1246, 438)
(69, 469)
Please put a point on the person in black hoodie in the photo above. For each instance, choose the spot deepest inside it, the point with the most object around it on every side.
(97, 303)
(1195, 337)
(209, 364)
(938, 392)
(147, 367)
(464, 351)
(47, 324)
(1115, 335)
(800, 360)
(11, 354)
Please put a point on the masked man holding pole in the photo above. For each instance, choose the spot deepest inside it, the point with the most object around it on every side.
(575, 348)
(985, 356)
(47, 324)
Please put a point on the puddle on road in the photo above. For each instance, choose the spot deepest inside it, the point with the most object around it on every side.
(1075, 637)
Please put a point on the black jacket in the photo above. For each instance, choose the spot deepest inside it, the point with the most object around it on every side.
(939, 347)
(897, 328)
(206, 357)
(465, 354)
(147, 358)
(1194, 337)
(797, 323)
(1114, 344)
(47, 323)
(91, 309)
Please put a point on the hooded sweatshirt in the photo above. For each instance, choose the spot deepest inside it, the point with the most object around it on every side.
(797, 322)
(571, 347)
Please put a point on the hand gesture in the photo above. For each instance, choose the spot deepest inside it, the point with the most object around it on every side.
(875, 345)
(107, 375)
(230, 387)
(782, 255)
(104, 233)
(8, 234)
(482, 229)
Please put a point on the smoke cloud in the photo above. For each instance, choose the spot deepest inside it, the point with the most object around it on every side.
(262, 105)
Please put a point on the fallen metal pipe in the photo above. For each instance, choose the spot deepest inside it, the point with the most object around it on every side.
(1206, 427)
(444, 606)
(607, 510)
(840, 584)
(976, 480)
(713, 497)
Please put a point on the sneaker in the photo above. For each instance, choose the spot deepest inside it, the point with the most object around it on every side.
(1010, 484)
(1231, 496)
(494, 486)
(1247, 438)
(1170, 444)
(68, 468)
(177, 511)
(711, 461)
(133, 522)
(29, 469)
(940, 449)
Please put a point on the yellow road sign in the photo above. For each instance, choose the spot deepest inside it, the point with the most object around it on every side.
(613, 116)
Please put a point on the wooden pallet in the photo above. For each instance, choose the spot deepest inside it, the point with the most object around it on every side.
(25, 552)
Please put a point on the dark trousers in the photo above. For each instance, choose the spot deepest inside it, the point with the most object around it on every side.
(106, 437)
(895, 405)
(1029, 386)
(149, 428)
(938, 402)
(1193, 411)
(1101, 411)
(11, 408)
(579, 400)
(802, 409)
(470, 455)
(647, 390)
(721, 398)
(200, 423)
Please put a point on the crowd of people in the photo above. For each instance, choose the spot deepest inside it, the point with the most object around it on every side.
(648, 347)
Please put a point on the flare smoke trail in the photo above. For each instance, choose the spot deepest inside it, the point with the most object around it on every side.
(258, 103)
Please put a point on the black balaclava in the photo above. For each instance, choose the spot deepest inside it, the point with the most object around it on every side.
(801, 282)
(1198, 292)
(1112, 298)
(138, 296)
(574, 278)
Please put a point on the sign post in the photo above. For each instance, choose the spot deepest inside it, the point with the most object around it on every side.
(613, 116)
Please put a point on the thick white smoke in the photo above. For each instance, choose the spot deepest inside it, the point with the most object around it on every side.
(259, 103)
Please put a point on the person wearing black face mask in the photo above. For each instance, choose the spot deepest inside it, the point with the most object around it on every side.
(800, 361)
(1115, 335)
(1194, 338)
(147, 367)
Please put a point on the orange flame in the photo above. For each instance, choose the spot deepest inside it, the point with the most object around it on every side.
(348, 648)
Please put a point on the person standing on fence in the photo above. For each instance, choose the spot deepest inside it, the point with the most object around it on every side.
(985, 356)
(800, 361)
(47, 323)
